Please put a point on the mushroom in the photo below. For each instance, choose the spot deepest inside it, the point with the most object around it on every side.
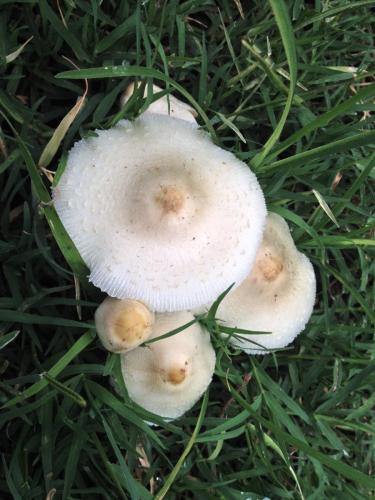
(159, 213)
(168, 376)
(277, 297)
(123, 324)
(166, 105)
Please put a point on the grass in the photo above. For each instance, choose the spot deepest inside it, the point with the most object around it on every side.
(290, 89)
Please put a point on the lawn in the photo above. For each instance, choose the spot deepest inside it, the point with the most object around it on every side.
(286, 85)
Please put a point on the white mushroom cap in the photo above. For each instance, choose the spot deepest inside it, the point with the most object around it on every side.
(278, 296)
(170, 375)
(166, 105)
(159, 213)
(123, 324)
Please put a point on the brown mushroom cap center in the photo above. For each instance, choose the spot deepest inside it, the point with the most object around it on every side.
(176, 375)
(132, 326)
(170, 198)
(270, 266)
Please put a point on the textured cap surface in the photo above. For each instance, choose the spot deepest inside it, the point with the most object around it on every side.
(170, 375)
(278, 296)
(159, 213)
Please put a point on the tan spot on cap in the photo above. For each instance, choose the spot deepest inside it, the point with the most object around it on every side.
(171, 199)
(176, 375)
(132, 325)
(270, 266)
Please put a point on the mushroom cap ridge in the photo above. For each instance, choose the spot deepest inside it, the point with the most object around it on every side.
(278, 296)
(119, 201)
(152, 373)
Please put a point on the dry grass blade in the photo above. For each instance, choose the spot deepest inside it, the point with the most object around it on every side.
(325, 207)
(54, 143)
(13, 55)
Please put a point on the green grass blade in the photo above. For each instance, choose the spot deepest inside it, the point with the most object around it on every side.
(77, 444)
(343, 469)
(362, 139)
(62, 238)
(323, 120)
(172, 476)
(118, 406)
(65, 390)
(8, 338)
(133, 71)
(286, 31)
(334, 11)
(63, 362)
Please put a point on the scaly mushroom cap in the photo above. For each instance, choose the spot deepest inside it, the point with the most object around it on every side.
(278, 296)
(170, 375)
(164, 105)
(123, 324)
(159, 213)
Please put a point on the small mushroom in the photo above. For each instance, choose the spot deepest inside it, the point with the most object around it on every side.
(277, 297)
(123, 324)
(168, 376)
(164, 105)
(159, 213)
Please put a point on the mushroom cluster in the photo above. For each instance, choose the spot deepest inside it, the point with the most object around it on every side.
(166, 221)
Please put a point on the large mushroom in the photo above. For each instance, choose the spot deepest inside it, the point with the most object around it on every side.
(159, 213)
(277, 297)
(168, 376)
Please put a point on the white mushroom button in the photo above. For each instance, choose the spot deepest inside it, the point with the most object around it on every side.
(159, 213)
(166, 105)
(123, 325)
(277, 297)
(168, 376)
